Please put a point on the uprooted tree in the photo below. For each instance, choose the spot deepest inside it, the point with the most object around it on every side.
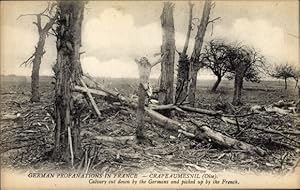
(36, 58)
(285, 72)
(68, 71)
(242, 60)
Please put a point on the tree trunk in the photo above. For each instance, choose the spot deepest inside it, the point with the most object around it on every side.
(195, 64)
(182, 79)
(166, 91)
(238, 82)
(140, 114)
(192, 87)
(184, 64)
(68, 72)
(285, 84)
(35, 74)
(214, 88)
(144, 68)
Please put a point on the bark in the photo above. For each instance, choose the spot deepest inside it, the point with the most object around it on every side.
(166, 90)
(238, 83)
(144, 68)
(192, 87)
(214, 88)
(184, 64)
(39, 52)
(182, 79)
(140, 114)
(197, 50)
(285, 83)
(68, 72)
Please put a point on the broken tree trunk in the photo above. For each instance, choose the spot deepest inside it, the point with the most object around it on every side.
(144, 68)
(67, 73)
(36, 58)
(195, 64)
(166, 90)
(184, 64)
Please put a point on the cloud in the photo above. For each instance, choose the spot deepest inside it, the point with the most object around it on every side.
(112, 41)
(270, 40)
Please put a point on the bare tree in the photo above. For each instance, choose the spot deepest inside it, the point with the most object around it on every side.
(166, 90)
(215, 57)
(36, 58)
(195, 62)
(184, 63)
(243, 58)
(67, 73)
(284, 71)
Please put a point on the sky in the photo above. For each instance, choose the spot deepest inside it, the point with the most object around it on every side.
(116, 32)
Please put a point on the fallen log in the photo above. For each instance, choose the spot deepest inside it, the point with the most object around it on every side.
(201, 111)
(226, 141)
(164, 121)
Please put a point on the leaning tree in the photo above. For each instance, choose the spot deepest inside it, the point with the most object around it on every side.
(36, 58)
(195, 63)
(67, 73)
(285, 72)
(242, 60)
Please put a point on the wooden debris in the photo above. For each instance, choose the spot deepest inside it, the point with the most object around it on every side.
(226, 141)
(201, 111)
(91, 99)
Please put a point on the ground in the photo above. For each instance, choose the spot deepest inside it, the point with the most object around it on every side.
(26, 141)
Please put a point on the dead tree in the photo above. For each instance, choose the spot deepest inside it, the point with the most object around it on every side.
(67, 73)
(144, 67)
(195, 63)
(184, 64)
(36, 58)
(166, 90)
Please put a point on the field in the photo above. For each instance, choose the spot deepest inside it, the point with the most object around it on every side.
(26, 141)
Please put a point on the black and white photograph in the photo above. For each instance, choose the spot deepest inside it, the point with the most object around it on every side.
(150, 94)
